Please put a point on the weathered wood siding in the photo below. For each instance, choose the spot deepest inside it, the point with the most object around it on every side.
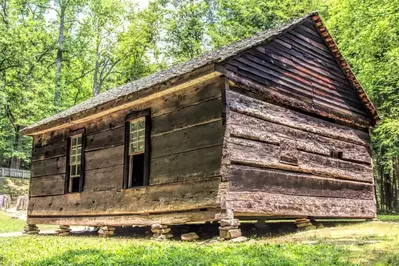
(296, 141)
(298, 69)
(186, 148)
(280, 162)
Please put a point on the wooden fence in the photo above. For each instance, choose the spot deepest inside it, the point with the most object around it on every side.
(18, 173)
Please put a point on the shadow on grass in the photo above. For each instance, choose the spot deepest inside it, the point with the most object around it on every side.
(192, 254)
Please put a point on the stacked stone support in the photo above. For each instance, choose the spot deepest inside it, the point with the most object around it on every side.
(106, 231)
(304, 224)
(161, 231)
(64, 230)
(229, 228)
(31, 229)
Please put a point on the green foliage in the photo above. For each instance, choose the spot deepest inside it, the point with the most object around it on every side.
(14, 186)
(367, 33)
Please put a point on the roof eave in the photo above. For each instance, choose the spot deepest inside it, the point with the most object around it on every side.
(199, 75)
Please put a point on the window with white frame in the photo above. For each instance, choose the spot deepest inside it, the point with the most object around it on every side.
(75, 163)
(136, 156)
(136, 171)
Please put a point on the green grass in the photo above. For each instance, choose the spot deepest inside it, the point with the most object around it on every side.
(388, 217)
(8, 225)
(372, 243)
(42, 250)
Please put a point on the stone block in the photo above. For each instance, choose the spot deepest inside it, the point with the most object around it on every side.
(158, 226)
(163, 236)
(234, 233)
(230, 222)
(160, 230)
(192, 236)
(239, 239)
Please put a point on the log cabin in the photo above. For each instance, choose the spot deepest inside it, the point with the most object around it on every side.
(272, 126)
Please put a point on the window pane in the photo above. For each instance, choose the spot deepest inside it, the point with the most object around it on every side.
(141, 146)
(79, 140)
(78, 170)
(141, 124)
(137, 135)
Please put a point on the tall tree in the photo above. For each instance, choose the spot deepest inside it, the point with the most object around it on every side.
(68, 12)
(105, 19)
(367, 33)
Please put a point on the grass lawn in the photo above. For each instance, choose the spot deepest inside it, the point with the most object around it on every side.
(389, 217)
(373, 243)
(10, 225)
(16, 225)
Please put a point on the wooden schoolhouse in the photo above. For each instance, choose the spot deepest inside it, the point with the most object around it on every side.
(272, 126)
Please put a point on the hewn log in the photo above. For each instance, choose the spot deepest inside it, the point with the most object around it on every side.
(196, 114)
(188, 139)
(195, 164)
(106, 139)
(104, 158)
(251, 179)
(284, 116)
(255, 153)
(47, 185)
(249, 127)
(55, 149)
(195, 216)
(277, 205)
(173, 102)
(51, 166)
(102, 179)
(141, 200)
(201, 93)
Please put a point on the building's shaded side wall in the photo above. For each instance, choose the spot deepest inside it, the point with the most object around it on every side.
(186, 148)
(280, 135)
(299, 70)
(280, 163)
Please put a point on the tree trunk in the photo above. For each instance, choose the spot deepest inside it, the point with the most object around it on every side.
(388, 192)
(382, 194)
(96, 90)
(15, 162)
(58, 62)
(395, 177)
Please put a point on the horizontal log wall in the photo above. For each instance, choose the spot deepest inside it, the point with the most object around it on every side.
(261, 135)
(298, 69)
(172, 218)
(174, 197)
(186, 146)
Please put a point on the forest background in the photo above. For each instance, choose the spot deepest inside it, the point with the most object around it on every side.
(57, 53)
